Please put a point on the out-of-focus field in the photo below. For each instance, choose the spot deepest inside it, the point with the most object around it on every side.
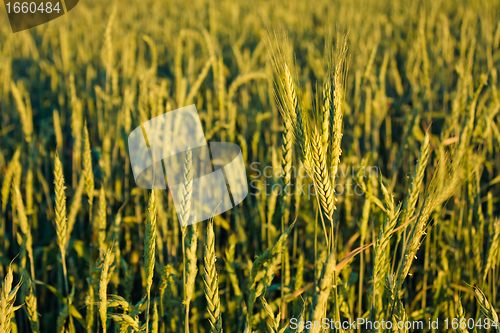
(407, 229)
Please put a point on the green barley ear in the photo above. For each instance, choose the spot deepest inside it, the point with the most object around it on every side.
(7, 299)
(299, 276)
(494, 250)
(88, 174)
(336, 121)
(126, 323)
(230, 266)
(76, 205)
(382, 248)
(286, 165)
(272, 321)
(325, 282)
(103, 287)
(89, 317)
(168, 295)
(461, 315)
(221, 89)
(268, 255)
(61, 319)
(302, 317)
(327, 110)
(486, 307)
(417, 179)
(257, 272)
(30, 302)
(154, 328)
(58, 130)
(24, 225)
(285, 93)
(8, 179)
(25, 112)
(149, 250)
(211, 280)
(102, 221)
(443, 185)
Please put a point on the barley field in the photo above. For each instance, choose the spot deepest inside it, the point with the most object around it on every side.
(370, 135)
